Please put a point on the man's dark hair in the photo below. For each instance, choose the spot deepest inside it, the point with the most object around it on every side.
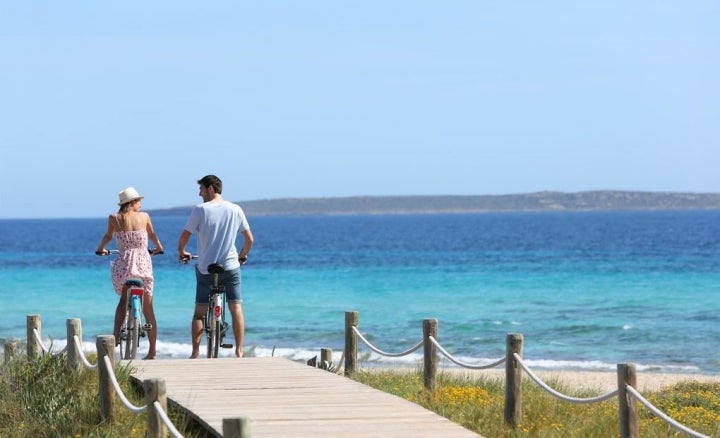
(211, 181)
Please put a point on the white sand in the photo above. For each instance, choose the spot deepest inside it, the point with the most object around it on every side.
(590, 380)
(601, 381)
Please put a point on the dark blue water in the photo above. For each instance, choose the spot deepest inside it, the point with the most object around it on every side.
(587, 290)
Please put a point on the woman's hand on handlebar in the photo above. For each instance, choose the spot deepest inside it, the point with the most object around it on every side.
(105, 252)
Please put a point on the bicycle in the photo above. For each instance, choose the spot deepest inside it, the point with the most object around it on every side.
(133, 328)
(214, 324)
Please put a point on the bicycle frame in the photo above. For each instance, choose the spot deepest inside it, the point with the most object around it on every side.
(215, 325)
(133, 327)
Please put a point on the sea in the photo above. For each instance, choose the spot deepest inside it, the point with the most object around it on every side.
(587, 290)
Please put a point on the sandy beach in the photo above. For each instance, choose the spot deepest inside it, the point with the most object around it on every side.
(590, 380)
(596, 380)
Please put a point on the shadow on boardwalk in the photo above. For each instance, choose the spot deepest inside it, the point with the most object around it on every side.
(280, 397)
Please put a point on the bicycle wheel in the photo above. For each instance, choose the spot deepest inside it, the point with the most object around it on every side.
(212, 333)
(216, 341)
(133, 338)
(124, 341)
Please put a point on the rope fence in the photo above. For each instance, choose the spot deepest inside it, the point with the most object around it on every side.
(159, 424)
(556, 394)
(663, 415)
(166, 420)
(131, 407)
(464, 364)
(378, 351)
(514, 366)
(83, 359)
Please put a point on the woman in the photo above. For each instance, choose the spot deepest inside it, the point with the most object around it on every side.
(131, 229)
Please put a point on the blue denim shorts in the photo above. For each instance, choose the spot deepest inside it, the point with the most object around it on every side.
(230, 279)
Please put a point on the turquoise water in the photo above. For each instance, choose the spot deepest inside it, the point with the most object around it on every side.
(587, 290)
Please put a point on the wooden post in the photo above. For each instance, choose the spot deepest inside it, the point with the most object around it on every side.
(106, 347)
(351, 342)
(155, 392)
(236, 427)
(513, 379)
(430, 358)
(325, 358)
(34, 348)
(10, 350)
(74, 328)
(626, 403)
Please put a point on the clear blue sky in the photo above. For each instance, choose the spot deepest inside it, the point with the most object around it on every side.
(343, 98)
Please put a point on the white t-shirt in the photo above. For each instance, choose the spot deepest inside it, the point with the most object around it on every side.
(217, 225)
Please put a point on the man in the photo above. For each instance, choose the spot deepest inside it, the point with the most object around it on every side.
(217, 223)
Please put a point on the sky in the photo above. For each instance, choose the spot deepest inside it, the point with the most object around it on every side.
(288, 99)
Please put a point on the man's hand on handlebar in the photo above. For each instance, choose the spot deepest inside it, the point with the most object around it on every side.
(184, 257)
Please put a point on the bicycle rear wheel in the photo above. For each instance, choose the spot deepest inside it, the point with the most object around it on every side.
(133, 338)
(213, 334)
(216, 340)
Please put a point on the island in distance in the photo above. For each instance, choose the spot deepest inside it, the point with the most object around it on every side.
(599, 200)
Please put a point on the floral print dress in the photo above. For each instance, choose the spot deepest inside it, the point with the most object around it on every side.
(133, 260)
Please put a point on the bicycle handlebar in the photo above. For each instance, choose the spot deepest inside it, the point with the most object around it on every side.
(185, 259)
(115, 251)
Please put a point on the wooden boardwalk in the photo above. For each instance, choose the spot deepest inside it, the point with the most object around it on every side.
(282, 398)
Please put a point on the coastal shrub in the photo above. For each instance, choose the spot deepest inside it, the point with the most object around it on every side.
(43, 397)
(478, 405)
(693, 404)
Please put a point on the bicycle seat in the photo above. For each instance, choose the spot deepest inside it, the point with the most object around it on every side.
(215, 269)
(134, 282)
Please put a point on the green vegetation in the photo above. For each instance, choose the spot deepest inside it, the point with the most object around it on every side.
(43, 398)
(478, 405)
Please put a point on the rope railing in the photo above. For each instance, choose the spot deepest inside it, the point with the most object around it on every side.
(559, 395)
(514, 366)
(662, 415)
(46, 350)
(514, 352)
(383, 353)
(465, 364)
(83, 359)
(166, 420)
(39, 340)
(108, 380)
(119, 391)
(340, 365)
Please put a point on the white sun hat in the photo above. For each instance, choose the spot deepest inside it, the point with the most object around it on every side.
(127, 195)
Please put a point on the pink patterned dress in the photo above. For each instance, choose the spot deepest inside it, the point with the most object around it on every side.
(132, 261)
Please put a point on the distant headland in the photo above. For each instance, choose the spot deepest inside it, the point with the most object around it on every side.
(539, 201)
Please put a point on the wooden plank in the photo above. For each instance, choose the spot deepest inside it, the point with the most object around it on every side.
(280, 397)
